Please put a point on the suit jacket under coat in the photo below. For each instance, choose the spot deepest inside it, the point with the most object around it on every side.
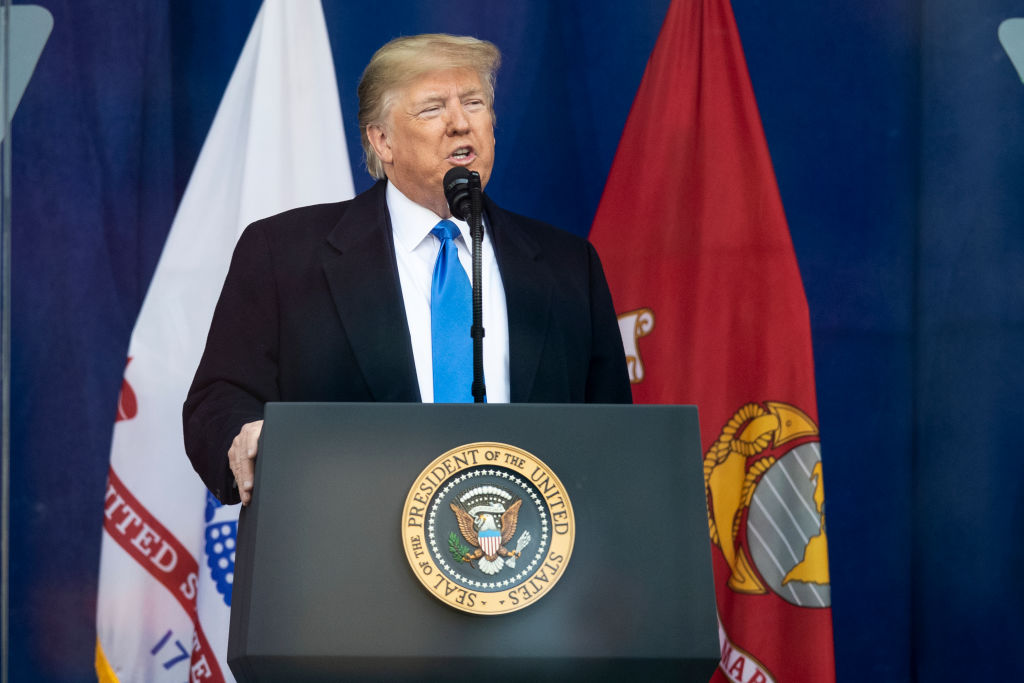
(312, 310)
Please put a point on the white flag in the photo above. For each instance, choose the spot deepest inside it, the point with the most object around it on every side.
(167, 556)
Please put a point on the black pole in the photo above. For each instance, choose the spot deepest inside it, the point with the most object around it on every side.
(476, 227)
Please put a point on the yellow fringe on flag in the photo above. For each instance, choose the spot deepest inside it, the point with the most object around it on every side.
(104, 673)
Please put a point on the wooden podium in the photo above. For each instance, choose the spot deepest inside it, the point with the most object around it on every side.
(323, 589)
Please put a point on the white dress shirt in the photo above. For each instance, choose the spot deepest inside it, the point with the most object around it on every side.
(415, 252)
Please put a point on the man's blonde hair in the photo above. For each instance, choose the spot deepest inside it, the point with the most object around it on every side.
(403, 60)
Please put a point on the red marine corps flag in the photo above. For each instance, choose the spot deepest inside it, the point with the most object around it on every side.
(712, 312)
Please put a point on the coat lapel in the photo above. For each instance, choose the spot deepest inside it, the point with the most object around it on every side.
(363, 280)
(527, 299)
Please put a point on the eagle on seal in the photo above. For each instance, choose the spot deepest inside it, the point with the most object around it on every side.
(489, 533)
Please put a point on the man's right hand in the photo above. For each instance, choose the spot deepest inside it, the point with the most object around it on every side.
(242, 458)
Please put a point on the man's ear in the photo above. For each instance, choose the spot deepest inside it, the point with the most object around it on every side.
(380, 142)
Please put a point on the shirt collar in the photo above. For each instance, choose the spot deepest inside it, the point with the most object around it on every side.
(412, 223)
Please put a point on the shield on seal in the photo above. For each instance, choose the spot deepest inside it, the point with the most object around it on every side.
(490, 541)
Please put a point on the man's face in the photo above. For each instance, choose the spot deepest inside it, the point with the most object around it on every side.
(439, 121)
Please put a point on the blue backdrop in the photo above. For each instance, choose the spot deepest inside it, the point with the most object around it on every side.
(897, 132)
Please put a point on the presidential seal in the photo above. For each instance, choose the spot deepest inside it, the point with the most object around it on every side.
(488, 528)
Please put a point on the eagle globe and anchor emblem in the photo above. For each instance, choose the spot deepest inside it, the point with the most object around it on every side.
(488, 528)
(766, 504)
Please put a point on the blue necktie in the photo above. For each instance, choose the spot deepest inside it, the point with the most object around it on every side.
(451, 316)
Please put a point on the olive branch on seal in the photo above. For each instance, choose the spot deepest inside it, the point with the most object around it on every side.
(456, 548)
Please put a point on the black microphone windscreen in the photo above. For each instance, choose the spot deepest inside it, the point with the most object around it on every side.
(456, 191)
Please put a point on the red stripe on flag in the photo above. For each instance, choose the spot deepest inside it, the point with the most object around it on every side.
(697, 252)
(156, 549)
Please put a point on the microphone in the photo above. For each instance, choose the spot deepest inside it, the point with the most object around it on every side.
(457, 190)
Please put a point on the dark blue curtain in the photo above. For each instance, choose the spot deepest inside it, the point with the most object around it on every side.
(968, 503)
(897, 133)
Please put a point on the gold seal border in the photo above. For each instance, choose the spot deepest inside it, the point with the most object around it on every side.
(510, 458)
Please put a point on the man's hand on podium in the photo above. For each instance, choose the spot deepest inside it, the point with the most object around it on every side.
(242, 458)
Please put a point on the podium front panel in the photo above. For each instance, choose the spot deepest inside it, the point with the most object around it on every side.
(323, 588)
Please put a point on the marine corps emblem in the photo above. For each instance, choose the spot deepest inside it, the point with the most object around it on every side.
(488, 528)
(766, 504)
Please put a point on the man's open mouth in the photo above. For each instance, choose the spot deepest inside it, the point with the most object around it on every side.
(462, 154)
